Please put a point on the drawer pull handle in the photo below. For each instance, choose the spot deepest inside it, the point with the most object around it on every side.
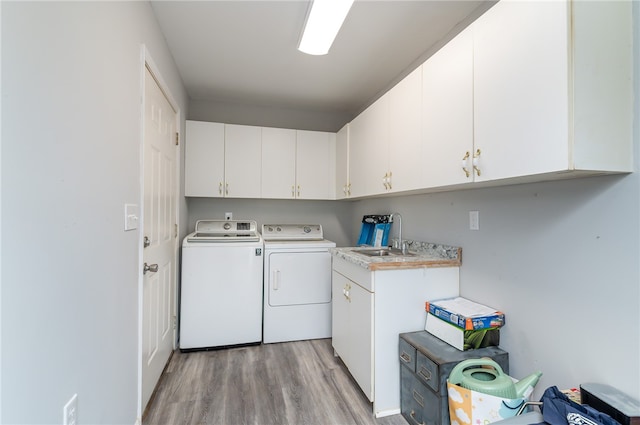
(425, 373)
(405, 357)
(418, 398)
(413, 416)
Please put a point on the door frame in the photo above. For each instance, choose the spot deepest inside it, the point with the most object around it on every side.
(147, 62)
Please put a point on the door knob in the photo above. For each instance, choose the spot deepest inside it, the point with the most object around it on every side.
(149, 268)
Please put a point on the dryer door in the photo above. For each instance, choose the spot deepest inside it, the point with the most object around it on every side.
(299, 278)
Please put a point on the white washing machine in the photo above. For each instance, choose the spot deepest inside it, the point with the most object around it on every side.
(297, 283)
(221, 285)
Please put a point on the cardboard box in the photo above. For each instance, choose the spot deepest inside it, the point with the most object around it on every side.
(459, 338)
(466, 314)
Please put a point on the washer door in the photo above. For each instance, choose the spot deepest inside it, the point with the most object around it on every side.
(299, 278)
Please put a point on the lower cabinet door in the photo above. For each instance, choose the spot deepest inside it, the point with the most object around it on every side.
(419, 404)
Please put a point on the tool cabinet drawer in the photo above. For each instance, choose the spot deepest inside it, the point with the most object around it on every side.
(427, 371)
(408, 355)
(419, 404)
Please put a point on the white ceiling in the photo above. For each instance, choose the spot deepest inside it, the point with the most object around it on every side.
(245, 52)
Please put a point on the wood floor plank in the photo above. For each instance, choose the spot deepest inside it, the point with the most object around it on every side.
(293, 383)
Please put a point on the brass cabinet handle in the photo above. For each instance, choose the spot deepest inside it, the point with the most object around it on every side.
(476, 161)
(464, 163)
(386, 180)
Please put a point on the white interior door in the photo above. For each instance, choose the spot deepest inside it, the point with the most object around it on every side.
(159, 230)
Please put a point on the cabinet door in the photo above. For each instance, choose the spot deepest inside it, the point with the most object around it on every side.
(521, 89)
(447, 113)
(204, 159)
(243, 163)
(278, 163)
(315, 165)
(342, 163)
(405, 165)
(361, 338)
(369, 149)
(340, 316)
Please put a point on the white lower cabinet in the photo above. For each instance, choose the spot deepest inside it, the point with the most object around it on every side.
(352, 335)
(370, 310)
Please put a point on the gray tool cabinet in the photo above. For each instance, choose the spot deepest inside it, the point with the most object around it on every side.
(425, 364)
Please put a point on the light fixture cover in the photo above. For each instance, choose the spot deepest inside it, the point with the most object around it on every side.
(323, 23)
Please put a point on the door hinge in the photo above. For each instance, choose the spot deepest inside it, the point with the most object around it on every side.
(175, 231)
(177, 138)
(174, 322)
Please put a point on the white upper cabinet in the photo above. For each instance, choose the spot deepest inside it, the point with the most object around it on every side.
(369, 150)
(222, 160)
(343, 184)
(204, 159)
(405, 145)
(447, 113)
(315, 165)
(243, 161)
(552, 88)
(297, 164)
(520, 89)
(278, 163)
(385, 143)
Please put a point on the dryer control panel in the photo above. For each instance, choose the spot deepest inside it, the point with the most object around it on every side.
(292, 232)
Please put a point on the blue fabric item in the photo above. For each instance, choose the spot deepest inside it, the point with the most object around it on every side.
(557, 409)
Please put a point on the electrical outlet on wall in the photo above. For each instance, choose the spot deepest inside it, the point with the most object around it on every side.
(70, 411)
(228, 216)
(474, 220)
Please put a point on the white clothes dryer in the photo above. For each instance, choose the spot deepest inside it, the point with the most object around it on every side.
(297, 283)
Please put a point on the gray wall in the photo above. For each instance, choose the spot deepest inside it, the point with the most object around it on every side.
(71, 130)
(559, 258)
(267, 116)
(335, 217)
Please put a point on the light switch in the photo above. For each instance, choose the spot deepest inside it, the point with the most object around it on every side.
(130, 217)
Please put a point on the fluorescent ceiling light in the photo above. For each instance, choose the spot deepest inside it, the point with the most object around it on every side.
(323, 23)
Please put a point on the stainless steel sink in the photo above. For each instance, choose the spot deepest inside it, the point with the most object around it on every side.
(383, 252)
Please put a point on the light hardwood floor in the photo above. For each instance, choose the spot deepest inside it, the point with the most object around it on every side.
(291, 383)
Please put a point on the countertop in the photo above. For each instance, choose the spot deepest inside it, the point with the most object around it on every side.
(426, 255)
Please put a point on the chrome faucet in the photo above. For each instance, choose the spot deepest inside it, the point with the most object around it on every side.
(400, 244)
